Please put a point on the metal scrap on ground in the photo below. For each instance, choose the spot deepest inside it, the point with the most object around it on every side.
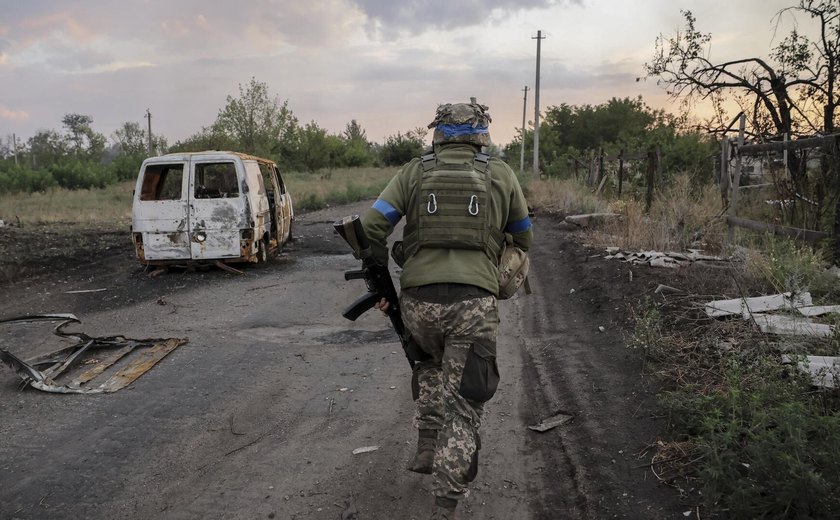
(551, 422)
(77, 369)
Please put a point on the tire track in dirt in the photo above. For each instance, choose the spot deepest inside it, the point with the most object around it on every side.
(575, 367)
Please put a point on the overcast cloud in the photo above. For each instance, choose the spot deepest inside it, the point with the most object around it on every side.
(385, 63)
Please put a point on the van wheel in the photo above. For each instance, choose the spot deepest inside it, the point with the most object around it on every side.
(262, 252)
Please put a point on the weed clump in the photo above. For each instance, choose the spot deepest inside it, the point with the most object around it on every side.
(749, 431)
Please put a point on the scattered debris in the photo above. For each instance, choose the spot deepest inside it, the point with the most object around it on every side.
(223, 266)
(663, 289)
(747, 306)
(824, 370)
(755, 308)
(365, 449)
(551, 422)
(349, 512)
(80, 291)
(660, 259)
(818, 310)
(134, 357)
(790, 326)
(601, 328)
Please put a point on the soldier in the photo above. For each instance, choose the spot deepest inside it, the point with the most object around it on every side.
(460, 204)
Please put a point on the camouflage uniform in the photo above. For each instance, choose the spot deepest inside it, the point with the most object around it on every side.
(448, 299)
(453, 334)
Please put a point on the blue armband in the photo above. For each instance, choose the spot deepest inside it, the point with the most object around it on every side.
(388, 211)
(519, 226)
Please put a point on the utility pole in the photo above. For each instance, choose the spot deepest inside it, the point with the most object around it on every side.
(522, 151)
(149, 117)
(14, 147)
(539, 38)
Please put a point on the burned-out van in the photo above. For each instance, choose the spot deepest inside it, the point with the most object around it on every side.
(208, 206)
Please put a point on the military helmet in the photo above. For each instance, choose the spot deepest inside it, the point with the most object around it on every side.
(462, 123)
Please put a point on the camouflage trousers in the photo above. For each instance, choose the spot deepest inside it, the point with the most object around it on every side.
(462, 375)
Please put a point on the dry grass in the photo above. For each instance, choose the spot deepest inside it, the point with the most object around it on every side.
(679, 218)
(108, 205)
(113, 203)
(323, 184)
(563, 197)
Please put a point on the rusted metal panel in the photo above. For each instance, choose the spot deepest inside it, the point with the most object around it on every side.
(62, 371)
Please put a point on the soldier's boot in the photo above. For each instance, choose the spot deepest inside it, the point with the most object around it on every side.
(444, 509)
(424, 459)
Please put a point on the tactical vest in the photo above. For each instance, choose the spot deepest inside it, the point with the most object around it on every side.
(452, 208)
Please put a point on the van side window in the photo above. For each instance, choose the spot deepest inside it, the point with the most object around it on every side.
(267, 174)
(216, 180)
(162, 182)
(280, 180)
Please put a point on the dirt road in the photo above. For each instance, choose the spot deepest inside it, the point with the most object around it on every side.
(259, 414)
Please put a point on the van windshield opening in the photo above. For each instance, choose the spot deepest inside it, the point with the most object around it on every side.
(216, 180)
(162, 182)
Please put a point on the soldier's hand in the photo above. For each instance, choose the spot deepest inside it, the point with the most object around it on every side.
(383, 305)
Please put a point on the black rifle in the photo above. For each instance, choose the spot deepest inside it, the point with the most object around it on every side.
(376, 277)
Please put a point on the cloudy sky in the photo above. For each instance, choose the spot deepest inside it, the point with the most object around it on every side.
(385, 63)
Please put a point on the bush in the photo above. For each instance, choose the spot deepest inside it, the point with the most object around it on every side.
(787, 266)
(18, 179)
(78, 175)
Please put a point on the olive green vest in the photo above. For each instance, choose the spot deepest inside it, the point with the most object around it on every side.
(452, 208)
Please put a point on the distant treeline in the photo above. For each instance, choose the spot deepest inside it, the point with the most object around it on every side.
(255, 122)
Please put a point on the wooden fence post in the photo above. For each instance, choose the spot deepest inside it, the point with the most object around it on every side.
(658, 167)
(591, 172)
(724, 171)
(620, 170)
(835, 159)
(736, 182)
(651, 179)
(601, 173)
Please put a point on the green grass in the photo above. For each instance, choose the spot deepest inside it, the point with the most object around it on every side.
(112, 204)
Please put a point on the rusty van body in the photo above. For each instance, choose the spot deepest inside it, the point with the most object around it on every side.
(209, 206)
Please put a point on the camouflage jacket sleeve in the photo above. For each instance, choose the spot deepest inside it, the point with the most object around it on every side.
(518, 223)
(387, 211)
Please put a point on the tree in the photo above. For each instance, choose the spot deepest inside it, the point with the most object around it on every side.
(256, 122)
(401, 148)
(85, 140)
(793, 92)
(131, 139)
(357, 149)
(353, 132)
(47, 147)
(317, 149)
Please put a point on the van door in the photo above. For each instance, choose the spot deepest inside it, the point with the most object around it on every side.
(284, 207)
(216, 208)
(160, 220)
